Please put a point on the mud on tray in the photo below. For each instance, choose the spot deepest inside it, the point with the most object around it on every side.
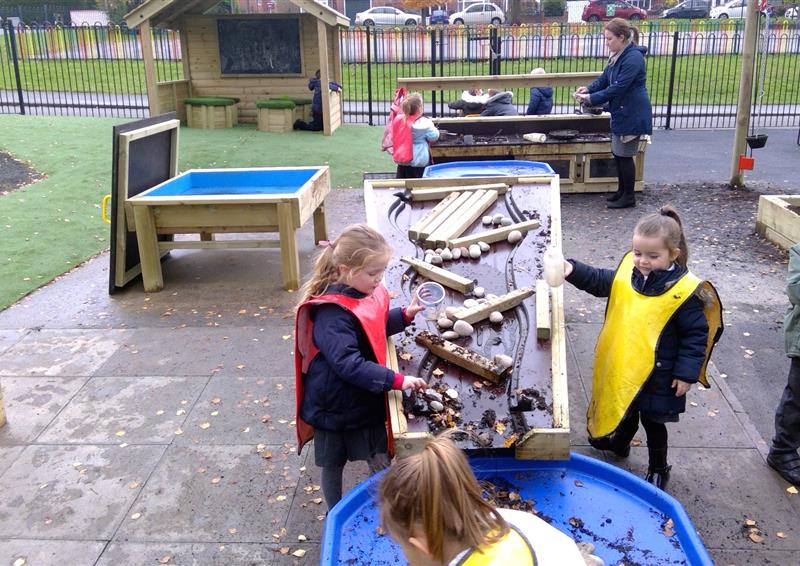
(497, 414)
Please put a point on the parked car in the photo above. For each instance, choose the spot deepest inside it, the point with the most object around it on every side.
(386, 16)
(733, 9)
(792, 12)
(438, 17)
(689, 9)
(483, 13)
(598, 10)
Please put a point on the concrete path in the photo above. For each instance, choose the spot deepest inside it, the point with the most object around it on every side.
(158, 427)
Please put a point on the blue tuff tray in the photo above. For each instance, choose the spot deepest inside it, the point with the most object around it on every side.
(621, 514)
(487, 169)
(234, 182)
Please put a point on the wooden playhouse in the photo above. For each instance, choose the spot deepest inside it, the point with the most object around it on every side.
(249, 57)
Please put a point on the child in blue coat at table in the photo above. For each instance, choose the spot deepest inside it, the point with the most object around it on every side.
(342, 323)
(660, 325)
(541, 101)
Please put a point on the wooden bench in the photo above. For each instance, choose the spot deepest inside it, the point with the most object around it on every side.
(276, 115)
(211, 112)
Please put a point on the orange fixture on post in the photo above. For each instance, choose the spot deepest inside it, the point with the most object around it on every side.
(746, 163)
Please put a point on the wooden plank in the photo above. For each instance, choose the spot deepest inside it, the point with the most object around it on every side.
(460, 356)
(542, 310)
(149, 256)
(414, 231)
(450, 219)
(320, 224)
(440, 193)
(443, 276)
(462, 220)
(501, 303)
(543, 444)
(217, 244)
(290, 260)
(324, 77)
(558, 339)
(149, 67)
(496, 81)
(496, 235)
(446, 213)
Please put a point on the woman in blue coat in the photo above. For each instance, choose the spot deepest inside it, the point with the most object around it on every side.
(622, 88)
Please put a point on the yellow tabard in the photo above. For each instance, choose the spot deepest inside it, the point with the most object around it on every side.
(626, 348)
(513, 549)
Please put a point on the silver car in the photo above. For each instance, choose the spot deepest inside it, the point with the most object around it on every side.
(386, 16)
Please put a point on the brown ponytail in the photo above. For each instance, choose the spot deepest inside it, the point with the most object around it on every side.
(434, 493)
(666, 224)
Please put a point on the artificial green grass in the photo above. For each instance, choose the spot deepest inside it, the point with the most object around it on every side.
(55, 224)
(275, 104)
(210, 101)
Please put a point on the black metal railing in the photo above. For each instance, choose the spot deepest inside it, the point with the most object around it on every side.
(693, 69)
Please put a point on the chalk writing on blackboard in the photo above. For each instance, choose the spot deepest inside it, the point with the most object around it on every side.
(259, 46)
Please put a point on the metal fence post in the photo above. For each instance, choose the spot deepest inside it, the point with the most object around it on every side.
(15, 57)
(433, 70)
(369, 79)
(672, 78)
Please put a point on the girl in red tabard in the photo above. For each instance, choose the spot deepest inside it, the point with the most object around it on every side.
(411, 133)
(342, 323)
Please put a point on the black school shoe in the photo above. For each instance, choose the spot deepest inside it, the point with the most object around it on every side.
(613, 197)
(659, 477)
(606, 443)
(787, 464)
(623, 202)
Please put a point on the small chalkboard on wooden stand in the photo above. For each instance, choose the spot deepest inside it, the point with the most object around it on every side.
(263, 46)
(145, 153)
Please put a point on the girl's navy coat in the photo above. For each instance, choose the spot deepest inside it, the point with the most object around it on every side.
(622, 87)
(681, 348)
(344, 387)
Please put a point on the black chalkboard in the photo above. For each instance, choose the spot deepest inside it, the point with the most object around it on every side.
(269, 46)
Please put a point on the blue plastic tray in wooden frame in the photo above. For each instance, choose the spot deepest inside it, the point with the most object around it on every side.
(625, 517)
(510, 167)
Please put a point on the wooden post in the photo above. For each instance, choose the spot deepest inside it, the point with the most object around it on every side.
(542, 310)
(745, 91)
(146, 40)
(290, 260)
(324, 77)
(320, 226)
(149, 255)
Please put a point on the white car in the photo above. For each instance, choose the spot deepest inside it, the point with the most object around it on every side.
(483, 13)
(792, 12)
(386, 16)
(733, 9)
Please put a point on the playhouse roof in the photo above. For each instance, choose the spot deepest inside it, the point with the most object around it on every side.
(161, 13)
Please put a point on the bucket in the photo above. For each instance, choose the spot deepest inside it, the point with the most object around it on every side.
(757, 141)
(430, 295)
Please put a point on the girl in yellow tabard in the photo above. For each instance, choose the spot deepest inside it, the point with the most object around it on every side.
(660, 326)
(431, 505)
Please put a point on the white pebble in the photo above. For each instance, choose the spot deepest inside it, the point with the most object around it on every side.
(506, 221)
(436, 259)
(428, 258)
(444, 323)
(496, 317)
(491, 296)
(469, 303)
(474, 251)
(497, 218)
(438, 251)
(451, 310)
(484, 246)
(446, 254)
(463, 328)
(456, 253)
(479, 292)
(450, 335)
(436, 406)
(503, 361)
(514, 236)
(464, 252)
(452, 393)
(486, 220)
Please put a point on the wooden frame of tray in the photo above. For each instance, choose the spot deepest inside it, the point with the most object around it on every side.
(776, 221)
(537, 443)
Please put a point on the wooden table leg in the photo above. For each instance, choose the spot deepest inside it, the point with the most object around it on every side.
(2, 409)
(320, 228)
(289, 258)
(149, 257)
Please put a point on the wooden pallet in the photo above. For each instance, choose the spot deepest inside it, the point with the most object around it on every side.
(540, 364)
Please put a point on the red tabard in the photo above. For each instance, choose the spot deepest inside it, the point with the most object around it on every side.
(372, 313)
(402, 138)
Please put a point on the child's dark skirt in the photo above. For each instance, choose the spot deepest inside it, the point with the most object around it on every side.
(335, 449)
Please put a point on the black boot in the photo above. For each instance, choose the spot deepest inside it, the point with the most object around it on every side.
(615, 196)
(658, 469)
(625, 201)
(786, 464)
(626, 172)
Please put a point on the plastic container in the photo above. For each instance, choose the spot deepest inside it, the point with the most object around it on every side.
(623, 515)
(553, 267)
(430, 295)
(487, 169)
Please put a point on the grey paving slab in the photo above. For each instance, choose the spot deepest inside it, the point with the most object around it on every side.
(242, 410)
(215, 494)
(32, 403)
(761, 557)
(187, 554)
(50, 552)
(72, 492)
(60, 352)
(10, 337)
(736, 486)
(125, 409)
(7, 456)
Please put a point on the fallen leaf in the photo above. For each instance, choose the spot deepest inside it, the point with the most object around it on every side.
(178, 431)
(513, 496)
(136, 516)
(299, 553)
(780, 534)
(668, 528)
(204, 425)
(636, 442)
(286, 336)
(575, 522)
(380, 531)
(232, 531)
(216, 400)
(578, 483)
(693, 404)
(302, 538)
(266, 454)
(20, 561)
(133, 485)
(120, 433)
(510, 440)
(215, 481)
(499, 427)
(165, 559)
(477, 385)
(160, 412)
(750, 522)
(241, 366)
(755, 537)
(792, 489)
(214, 413)
(317, 500)
(280, 498)
(243, 311)
(405, 356)
(284, 550)
(438, 372)
(180, 412)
